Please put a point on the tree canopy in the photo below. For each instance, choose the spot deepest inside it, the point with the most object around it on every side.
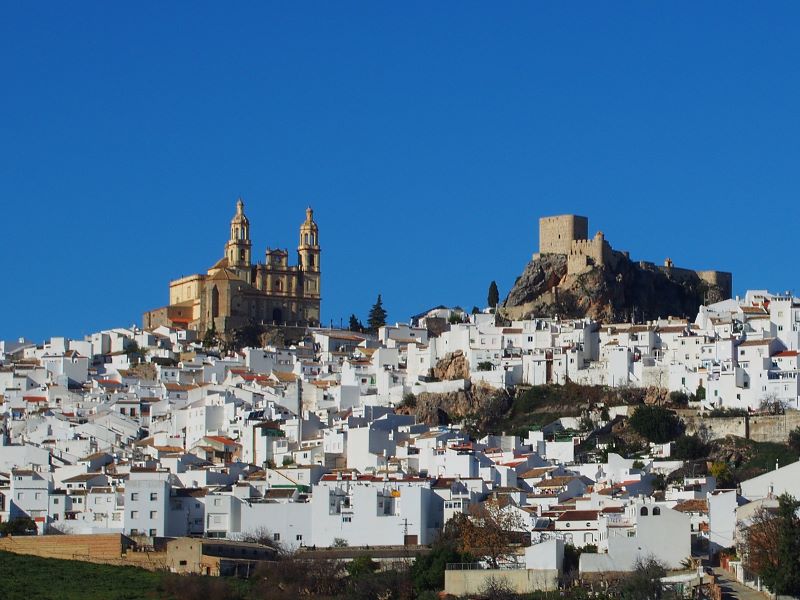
(494, 295)
(355, 324)
(656, 423)
(773, 546)
(377, 315)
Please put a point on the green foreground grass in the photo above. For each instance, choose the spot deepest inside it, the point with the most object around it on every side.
(33, 578)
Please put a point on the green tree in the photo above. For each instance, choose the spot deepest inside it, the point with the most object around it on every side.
(248, 336)
(494, 295)
(361, 565)
(377, 315)
(700, 394)
(678, 398)
(355, 324)
(722, 473)
(210, 338)
(794, 439)
(773, 546)
(689, 447)
(18, 526)
(427, 570)
(656, 424)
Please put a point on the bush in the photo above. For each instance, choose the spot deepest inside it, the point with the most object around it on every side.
(689, 447)
(361, 565)
(485, 365)
(427, 571)
(18, 526)
(794, 439)
(409, 401)
(678, 398)
(656, 424)
(727, 412)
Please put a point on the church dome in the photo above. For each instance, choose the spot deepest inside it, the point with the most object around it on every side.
(240, 217)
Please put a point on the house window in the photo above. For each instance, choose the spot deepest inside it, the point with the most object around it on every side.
(276, 537)
(643, 511)
(134, 514)
(153, 496)
(134, 497)
(347, 519)
(153, 514)
(656, 511)
(153, 533)
(299, 537)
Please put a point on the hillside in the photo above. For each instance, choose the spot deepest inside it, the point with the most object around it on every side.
(615, 292)
(33, 578)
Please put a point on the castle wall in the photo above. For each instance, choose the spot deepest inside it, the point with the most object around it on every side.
(586, 253)
(556, 234)
(721, 279)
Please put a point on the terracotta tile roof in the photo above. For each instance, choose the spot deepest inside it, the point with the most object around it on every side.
(756, 342)
(700, 506)
(284, 376)
(579, 515)
(537, 472)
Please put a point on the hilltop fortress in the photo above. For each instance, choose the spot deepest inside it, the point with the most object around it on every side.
(574, 275)
(569, 235)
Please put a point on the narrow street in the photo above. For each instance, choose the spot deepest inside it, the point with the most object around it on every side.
(733, 589)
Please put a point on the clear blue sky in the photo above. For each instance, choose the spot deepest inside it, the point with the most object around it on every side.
(429, 137)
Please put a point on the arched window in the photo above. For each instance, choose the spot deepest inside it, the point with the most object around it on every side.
(310, 260)
(643, 511)
(305, 238)
(656, 511)
(214, 302)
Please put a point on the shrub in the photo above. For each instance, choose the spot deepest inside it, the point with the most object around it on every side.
(794, 439)
(656, 424)
(485, 365)
(409, 401)
(678, 398)
(689, 447)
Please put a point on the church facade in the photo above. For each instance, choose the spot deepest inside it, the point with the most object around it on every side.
(235, 292)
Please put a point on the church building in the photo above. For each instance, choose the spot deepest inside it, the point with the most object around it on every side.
(235, 292)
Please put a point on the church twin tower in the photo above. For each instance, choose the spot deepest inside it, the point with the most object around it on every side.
(235, 292)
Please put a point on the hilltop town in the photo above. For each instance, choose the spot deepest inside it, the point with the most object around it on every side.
(169, 446)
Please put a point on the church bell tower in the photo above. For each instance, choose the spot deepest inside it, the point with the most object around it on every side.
(237, 249)
(308, 255)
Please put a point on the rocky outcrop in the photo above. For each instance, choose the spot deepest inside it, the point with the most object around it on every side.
(619, 291)
(479, 402)
(453, 366)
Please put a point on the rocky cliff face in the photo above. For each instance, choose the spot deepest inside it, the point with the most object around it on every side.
(479, 403)
(618, 292)
(452, 366)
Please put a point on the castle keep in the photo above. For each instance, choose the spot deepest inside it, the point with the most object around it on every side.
(569, 235)
(235, 293)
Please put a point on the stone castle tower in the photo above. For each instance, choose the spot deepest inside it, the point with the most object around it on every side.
(235, 292)
(569, 235)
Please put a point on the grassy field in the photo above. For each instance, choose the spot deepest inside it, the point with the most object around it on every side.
(32, 578)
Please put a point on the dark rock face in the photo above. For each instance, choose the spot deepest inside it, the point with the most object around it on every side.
(618, 292)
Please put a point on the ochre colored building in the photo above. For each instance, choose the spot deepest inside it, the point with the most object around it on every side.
(235, 292)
